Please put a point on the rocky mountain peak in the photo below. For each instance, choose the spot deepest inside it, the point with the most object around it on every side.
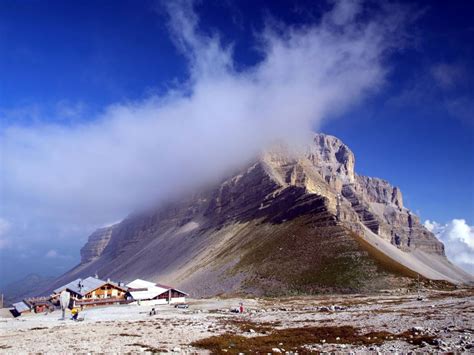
(326, 168)
(294, 220)
(332, 158)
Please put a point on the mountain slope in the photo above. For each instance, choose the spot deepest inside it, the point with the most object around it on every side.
(25, 287)
(291, 222)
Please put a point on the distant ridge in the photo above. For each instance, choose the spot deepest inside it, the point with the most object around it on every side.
(25, 287)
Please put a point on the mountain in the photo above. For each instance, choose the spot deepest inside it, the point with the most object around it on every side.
(25, 287)
(291, 222)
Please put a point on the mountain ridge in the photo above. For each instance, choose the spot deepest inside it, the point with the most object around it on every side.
(211, 242)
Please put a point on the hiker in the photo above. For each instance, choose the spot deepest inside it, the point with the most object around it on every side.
(241, 308)
(75, 313)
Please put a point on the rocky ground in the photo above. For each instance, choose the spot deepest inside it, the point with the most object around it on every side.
(390, 322)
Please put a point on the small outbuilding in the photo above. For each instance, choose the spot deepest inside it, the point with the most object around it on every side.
(150, 293)
(19, 308)
(39, 304)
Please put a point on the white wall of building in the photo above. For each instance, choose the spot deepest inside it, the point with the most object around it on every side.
(160, 301)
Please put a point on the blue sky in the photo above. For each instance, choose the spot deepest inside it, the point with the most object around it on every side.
(65, 64)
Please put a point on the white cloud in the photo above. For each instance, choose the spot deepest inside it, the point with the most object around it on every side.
(138, 152)
(345, 11)
(458, 238)
(52, 254)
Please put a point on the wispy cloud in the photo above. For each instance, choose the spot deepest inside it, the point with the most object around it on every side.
(462, 107)
(64, 112)
(441, 87)
(448, 76)
(99, 169)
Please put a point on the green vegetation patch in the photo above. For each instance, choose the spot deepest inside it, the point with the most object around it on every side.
(303, 257)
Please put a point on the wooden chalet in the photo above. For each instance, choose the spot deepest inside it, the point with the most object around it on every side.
(39, 304)
(92, 292)
(145, 292)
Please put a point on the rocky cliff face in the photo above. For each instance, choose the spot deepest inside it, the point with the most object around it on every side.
(292, 221)
(96, 244)
(327, 169)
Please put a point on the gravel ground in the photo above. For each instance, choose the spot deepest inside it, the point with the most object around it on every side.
(447, 317)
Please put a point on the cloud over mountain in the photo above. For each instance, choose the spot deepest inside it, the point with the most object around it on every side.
(458, 238)
(60, 176)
